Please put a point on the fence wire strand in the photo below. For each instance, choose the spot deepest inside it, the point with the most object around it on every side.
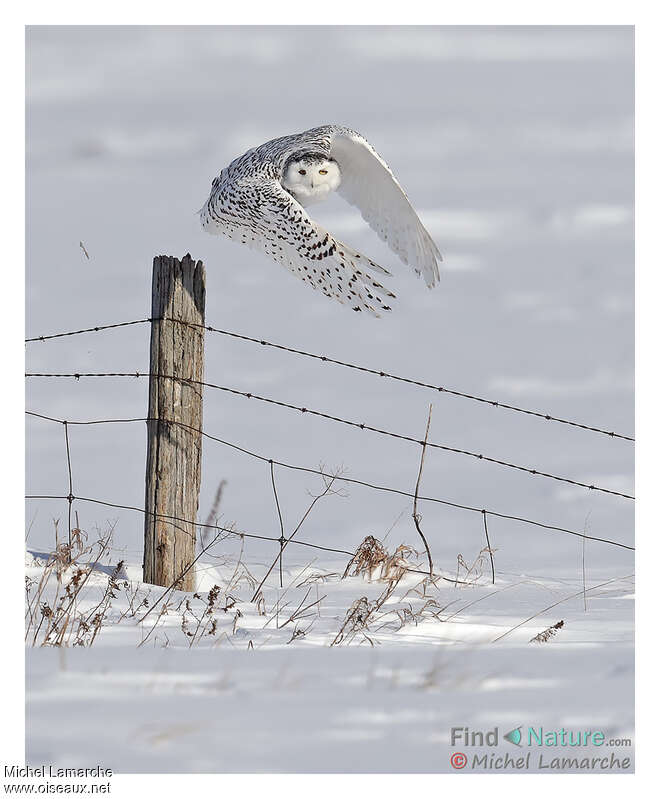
(338, 419)
(181, 520)
(96, 329)
(347, 365)
(342, 478)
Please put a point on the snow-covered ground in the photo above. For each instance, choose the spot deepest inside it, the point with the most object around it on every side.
(516, 147)
(284, 684)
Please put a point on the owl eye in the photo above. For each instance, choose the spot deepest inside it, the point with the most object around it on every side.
(323, 171)
(302, 171)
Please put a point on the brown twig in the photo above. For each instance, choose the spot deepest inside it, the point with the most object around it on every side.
(172, 586)
(415, 515)
(360, 613)
(68, 461)
(279, 515)
(280, 597)
(485, 596)
(328, 486)
(212, 517)
(490, 549)
(298, 612)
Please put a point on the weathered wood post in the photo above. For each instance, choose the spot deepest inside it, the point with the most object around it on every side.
(174, 449)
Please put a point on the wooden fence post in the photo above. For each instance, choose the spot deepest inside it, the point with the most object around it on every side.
(174, 450)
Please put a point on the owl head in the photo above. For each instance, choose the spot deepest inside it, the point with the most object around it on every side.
(310, 177)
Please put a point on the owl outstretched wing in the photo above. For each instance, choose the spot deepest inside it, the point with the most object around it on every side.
(368, 183)
(282, 229)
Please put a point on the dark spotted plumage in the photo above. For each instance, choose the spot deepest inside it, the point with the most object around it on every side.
(249, 204)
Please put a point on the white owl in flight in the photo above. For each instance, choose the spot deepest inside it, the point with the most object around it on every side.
(260, 200)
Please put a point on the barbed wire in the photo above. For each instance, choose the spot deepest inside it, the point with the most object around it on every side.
(339, 477)
(338, 419)
(229, 530)
(345, 364)
(96, 329)
(180, 520)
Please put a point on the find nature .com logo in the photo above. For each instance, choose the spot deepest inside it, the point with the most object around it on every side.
(537, 738)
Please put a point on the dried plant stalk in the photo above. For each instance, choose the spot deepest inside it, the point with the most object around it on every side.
(369, 556)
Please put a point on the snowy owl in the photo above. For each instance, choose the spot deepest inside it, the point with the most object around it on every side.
(260, 199)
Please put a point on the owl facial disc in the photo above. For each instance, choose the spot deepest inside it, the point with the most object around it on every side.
(311, 178)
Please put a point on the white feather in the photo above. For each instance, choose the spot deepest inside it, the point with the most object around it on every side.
(368, 183)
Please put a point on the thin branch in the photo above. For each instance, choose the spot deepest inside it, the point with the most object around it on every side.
(173, 584)
(554, 605)
(415, 515)
(68, 461)
(485, 596)
(300, 610)
(490, 549)
(212, 518)
(279, 514)
(328, 486)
